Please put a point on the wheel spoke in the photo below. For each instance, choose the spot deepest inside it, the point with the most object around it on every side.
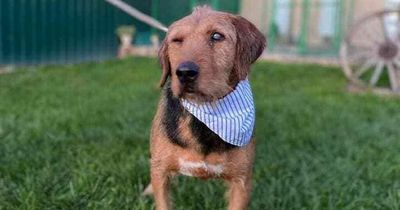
(363, 47)
(356, 57)
(384, 28)
(377, 73)
(396, 63)
(393, 76)
(373, 36)
(397, 37)
(363, 44)
(365, 67)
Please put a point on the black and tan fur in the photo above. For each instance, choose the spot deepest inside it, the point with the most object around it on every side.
(178, 139)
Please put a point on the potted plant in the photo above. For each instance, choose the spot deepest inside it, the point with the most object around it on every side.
(125, 34)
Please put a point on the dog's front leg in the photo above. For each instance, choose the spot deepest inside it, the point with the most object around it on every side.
(160, 178)
(239, 193)
(160, 184)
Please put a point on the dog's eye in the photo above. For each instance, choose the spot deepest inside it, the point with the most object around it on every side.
(217, 37)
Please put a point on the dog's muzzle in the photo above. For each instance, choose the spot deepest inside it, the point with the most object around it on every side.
(187, 72)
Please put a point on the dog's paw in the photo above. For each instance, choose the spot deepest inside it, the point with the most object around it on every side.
(148, 191)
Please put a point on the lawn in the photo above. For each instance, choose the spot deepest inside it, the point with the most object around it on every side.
(76, 137)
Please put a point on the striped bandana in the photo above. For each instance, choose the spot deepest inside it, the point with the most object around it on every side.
(231, 118)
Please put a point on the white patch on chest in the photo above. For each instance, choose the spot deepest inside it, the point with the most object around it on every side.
(186, 167)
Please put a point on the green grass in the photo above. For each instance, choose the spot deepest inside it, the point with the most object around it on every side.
(76, 137)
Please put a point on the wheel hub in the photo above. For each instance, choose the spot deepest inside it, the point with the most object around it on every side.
(388, 50)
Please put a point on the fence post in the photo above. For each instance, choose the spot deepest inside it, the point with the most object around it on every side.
(193, 3)
(265, 20)
(291, 21)
(272, 30)
(1, 32)
(303, 42)
(350, 14)
(338, 25)
(12, 34)
(238, 6)
(154, 13)
(215, 4)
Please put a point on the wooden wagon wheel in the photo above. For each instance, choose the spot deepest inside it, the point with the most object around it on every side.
(370, 53)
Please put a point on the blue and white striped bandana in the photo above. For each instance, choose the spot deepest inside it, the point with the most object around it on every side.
(231, 118)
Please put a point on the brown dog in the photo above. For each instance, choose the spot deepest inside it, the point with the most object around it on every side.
(206, 54)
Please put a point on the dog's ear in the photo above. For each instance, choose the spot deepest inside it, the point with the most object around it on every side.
(249, 46)
(164, 61)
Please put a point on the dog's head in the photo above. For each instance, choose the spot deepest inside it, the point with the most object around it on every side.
(207, 53)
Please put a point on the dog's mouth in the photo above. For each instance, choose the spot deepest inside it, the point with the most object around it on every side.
(189, 88)
(195, 96)
(187, 92)
(191, 92)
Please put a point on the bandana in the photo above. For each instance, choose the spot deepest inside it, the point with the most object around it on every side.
(231, 118)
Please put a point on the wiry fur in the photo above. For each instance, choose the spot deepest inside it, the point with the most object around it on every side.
(222, 64)
(174, 114)
(180, 143)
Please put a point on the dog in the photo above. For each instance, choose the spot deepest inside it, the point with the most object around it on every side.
(204, 123)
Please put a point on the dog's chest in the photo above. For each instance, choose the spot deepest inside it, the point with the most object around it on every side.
(184, 130)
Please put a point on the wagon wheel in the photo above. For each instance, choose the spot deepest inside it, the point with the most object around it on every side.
(370, 53)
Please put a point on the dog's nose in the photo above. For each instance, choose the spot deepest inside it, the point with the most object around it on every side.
(187, 72)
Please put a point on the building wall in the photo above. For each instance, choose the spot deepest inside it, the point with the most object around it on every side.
(366, 7)
(316, 36)
(257, 11)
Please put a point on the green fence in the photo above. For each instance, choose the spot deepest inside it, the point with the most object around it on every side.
(66, 31)
(308, 26)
